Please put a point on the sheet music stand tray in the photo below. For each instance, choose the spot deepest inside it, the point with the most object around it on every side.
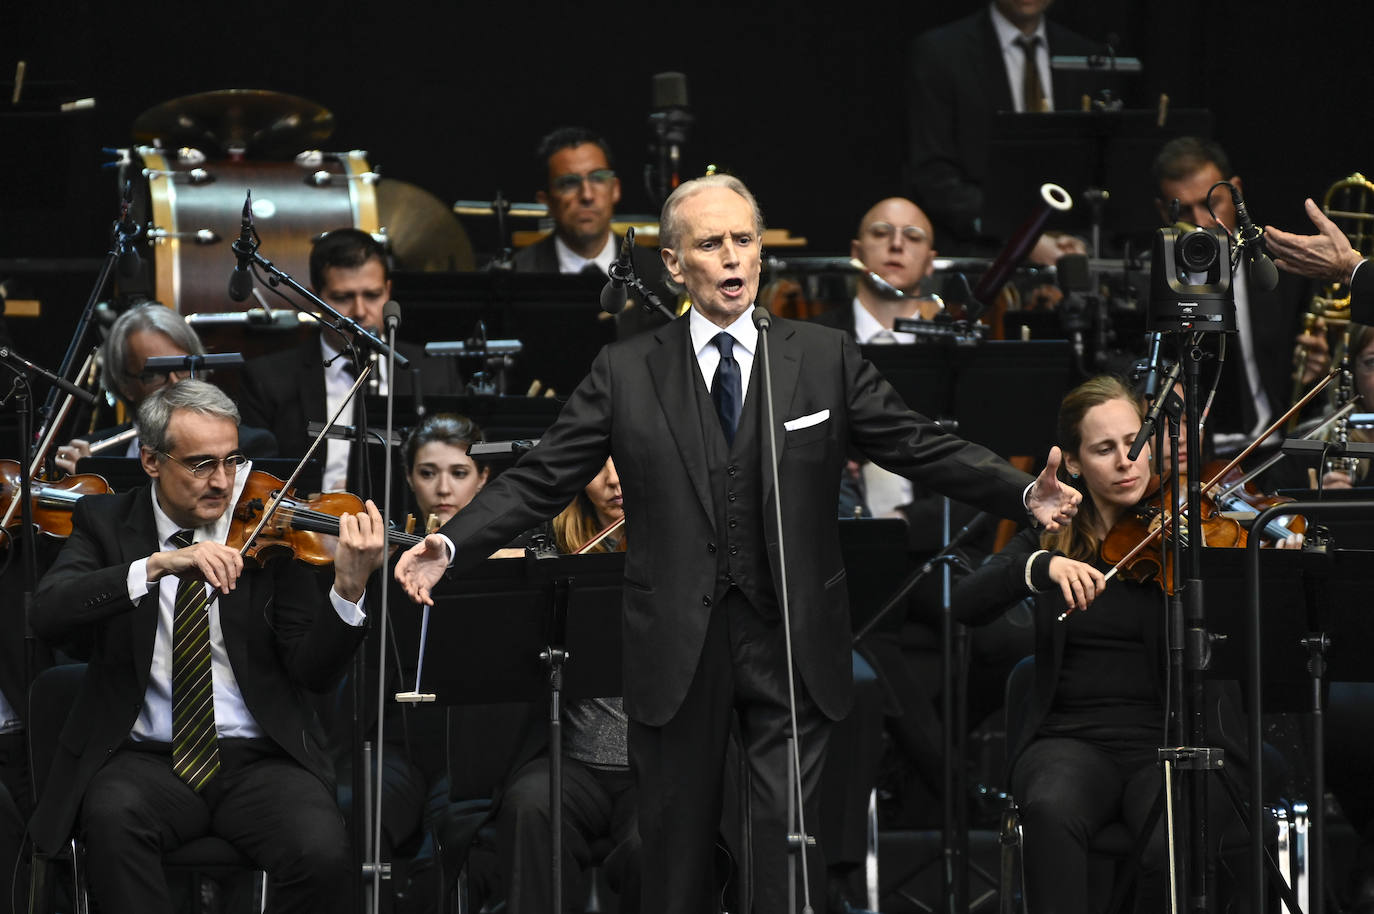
(504, 634)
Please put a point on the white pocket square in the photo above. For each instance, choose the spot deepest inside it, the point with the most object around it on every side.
(801, 422)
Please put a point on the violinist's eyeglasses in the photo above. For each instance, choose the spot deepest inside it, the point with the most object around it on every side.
(204, 469)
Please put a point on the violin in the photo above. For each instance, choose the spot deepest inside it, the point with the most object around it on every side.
(1240, 498)
(1124, 547)
(270, 521)
(50, 502)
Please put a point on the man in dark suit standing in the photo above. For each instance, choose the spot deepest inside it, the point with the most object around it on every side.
(959, 76)
(285, 391)
(581, 192)
(192, 718)
(680, 409)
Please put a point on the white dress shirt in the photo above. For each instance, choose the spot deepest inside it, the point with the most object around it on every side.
(708, 356)
(569, 261)
(336, 386)
(232, 717)
(1015, 59)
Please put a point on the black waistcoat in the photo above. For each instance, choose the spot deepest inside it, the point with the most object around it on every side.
(737, 496)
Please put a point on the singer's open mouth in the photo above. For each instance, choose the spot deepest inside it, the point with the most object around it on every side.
(732, 285)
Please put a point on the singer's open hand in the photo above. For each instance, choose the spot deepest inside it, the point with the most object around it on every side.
(1326, 255)
(1050, 502)
(421, 567)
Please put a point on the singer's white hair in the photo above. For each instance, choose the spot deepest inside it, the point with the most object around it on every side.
(669, 229)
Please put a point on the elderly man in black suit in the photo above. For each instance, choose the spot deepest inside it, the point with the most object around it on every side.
(680, 409)
(959, 76)
(192, 718)
(581, 192)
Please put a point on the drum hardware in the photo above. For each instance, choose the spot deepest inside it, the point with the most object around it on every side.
(200, 236)
(325, 178)
(194, 176)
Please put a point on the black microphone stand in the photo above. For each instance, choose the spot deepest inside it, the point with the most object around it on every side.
(798, 840)
(374, 865)
(122, 235)
(353, 333)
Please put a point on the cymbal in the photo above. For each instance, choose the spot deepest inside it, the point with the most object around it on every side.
(421, 230)
(258, 122)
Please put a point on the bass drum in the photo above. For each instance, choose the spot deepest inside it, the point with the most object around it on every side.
(192, 212)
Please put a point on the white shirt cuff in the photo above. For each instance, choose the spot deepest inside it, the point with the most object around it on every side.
(137, 580)
(351, 613)
(1030, 563)
(1351, 281)
(449, 543)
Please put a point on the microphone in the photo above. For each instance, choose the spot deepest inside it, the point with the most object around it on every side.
(391, 315)
(241, 280)
(1151, 388)
(126, 231)
(1263, 273)
(761, 318)
(613, 293)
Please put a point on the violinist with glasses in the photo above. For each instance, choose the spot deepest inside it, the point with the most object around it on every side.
(192, 718)
(1085, 754)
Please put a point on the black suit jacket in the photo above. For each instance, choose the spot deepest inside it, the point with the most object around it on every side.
(639, 404)
(957, 82)
(280, 631)
(1362, 294)
(284, 391)
(542, 257)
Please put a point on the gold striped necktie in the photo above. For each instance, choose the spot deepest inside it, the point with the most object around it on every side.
(195, 748)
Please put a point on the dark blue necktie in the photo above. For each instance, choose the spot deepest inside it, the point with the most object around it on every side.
(725, 389)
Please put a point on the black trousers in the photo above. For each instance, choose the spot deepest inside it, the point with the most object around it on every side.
(278, 814)
(596, 804)
(1068, 790)
(678, 769)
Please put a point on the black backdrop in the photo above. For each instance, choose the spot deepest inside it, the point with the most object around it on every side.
(802, 100)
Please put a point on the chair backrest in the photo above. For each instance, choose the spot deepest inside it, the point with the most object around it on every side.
(51, 697)
(1019, 683)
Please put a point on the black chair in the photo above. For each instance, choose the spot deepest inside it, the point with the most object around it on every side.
(50, 699)
(1109, 848)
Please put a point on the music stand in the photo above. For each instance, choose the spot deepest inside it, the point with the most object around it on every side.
(1080, 150)
(500, 418)
(874, 550)
(504, 634)
(1002, 394)
(557, 318)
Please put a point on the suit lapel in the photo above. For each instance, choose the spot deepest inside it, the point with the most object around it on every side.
(785, 358)
(990, 61)
(138, 541)
(312, 395)
(675, 375)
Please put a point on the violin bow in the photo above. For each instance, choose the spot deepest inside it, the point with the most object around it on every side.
(1249, 449)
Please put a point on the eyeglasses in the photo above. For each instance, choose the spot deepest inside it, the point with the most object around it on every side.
(882, 231)
(563, 185)
(204, 469)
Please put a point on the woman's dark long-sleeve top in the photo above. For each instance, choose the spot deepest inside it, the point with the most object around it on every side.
(1100, 675)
